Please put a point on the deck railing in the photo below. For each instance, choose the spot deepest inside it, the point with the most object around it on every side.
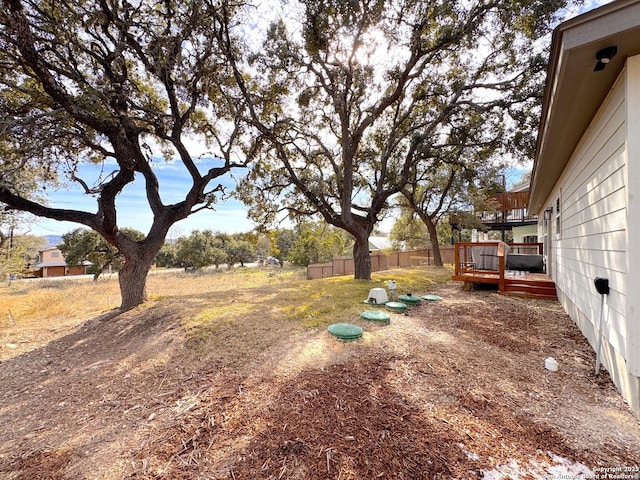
(507, 217)
(485, 262)
(481, 260)
(508, 209)
(528, 248)
(512, 208)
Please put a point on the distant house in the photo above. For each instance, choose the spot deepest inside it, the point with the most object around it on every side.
(51, 263)
(379, 243)
(585, 185)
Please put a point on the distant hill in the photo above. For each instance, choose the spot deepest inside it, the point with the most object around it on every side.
(53, 240)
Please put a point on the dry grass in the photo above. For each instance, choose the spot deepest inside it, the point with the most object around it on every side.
(232, 316)
(53, 300)
(43, 307)
(232, 375)
(213, 305)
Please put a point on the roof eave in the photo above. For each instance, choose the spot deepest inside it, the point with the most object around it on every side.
(573, 91)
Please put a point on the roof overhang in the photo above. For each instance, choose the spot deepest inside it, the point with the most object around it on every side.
(574, 91)
(49, 264)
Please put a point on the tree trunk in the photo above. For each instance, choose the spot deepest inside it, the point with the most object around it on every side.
(433, 236)
(362, 258)
(133, 281)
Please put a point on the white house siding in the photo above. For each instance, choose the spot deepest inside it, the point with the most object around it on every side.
(520, 232)
(633, 169)
(592, 238)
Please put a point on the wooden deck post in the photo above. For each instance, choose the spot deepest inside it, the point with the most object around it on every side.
(501, 265)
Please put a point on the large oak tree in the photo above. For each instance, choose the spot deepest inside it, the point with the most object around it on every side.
(345, 94)
(454, 169)
(124, 83)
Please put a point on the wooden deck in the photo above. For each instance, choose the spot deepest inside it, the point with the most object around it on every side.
(484, 263)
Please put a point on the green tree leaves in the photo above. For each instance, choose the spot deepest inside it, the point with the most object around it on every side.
(125, 84)
(82, 245)
(372, 95)
(17, 253)
(206, 248)
(343, 105)
(317, 242)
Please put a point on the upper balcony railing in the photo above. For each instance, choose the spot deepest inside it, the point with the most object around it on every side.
(507, 217)
(510, 209)
(512, 200)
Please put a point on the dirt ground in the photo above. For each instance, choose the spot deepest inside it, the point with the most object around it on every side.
(453, 389)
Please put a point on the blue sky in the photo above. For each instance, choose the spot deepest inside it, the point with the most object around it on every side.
(230, 216)
(133, 211)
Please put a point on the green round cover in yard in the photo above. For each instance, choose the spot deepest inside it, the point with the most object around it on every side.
(410, 299)
(376, 316)
(345, 331)
(432, 298)
(396, 306)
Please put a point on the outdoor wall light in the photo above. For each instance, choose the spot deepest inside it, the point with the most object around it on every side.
(604, 56)
(546, 215)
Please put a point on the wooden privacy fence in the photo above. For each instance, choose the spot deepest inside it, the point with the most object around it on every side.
(380, 261)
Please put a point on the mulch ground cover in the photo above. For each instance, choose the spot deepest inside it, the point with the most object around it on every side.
(452, 389)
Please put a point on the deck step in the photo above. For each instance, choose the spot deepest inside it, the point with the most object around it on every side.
(539, 288)
(532, 288)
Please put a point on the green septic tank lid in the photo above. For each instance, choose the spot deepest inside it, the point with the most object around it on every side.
(432, 298)
(345, 331)
(396, 306)
(410, 299)
(376, 316)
